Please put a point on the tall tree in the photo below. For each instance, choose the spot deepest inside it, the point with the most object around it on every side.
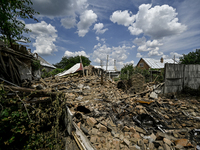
(11, 11)
(68, 62)
(191, 58)
(128, 68)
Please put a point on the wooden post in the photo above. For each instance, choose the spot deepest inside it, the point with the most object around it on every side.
(82, 66)
(106, 67)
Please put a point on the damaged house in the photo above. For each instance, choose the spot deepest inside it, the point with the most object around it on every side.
(17, 64)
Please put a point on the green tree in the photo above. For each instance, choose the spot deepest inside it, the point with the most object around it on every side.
(11, 28)
(191, 58)
(127, 68)
(68, 62)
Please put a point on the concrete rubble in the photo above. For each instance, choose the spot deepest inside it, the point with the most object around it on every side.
(140, 120)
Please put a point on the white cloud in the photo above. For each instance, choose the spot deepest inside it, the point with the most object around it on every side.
(139, 41)
(44, 35)
(122, 17)
(175, 54)
(133, 46)
(189, 15)
(99, 28)
(97, 38)
(87, 18)
(130, 62)
(78, 53)
(119, 54)
(155, 52)
(138, 55)
(151, 46)
(158, 21)
(142, 48)
(68, 22)
(134, 30)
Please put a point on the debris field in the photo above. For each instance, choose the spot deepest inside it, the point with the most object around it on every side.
(112, 119)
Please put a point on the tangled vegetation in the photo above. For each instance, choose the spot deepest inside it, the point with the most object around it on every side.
(31, 125)
(51, 73)
(35, 65)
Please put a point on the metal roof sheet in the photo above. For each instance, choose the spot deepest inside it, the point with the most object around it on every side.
(73, 69)
(45, 63)
(109, 68)
(153, 63)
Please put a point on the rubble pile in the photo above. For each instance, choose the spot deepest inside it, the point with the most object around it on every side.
(112, 119)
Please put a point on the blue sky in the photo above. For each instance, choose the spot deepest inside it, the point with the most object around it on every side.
(125, 30)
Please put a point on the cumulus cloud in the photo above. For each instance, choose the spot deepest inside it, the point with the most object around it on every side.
(78, 53)
(138, 55)
(157, 21)
(119, 54)
(151, 46)
(176, 54)
(87, 18)
(99, 28)
(68, 22)
(44, 35)
(130, 62)
(122, 17)
(155, 52)
(134, 30)
(97, 38)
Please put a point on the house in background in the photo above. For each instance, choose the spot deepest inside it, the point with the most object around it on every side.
(153, 66)
(45, 66)
(111, 71)
(147, 63)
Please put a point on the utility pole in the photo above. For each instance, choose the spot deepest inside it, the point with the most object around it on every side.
(115, 65)
(101, 63)
(82, 65)
(106, 66)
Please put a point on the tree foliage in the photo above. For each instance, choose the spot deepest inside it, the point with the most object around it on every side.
(128, 68)
(68, 62)
(35, 126)
(191, 58)
(51, 73)
(11, 28)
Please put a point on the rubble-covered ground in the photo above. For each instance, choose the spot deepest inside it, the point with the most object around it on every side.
(112, 119)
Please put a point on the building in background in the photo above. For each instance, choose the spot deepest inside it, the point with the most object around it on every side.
(147, 63)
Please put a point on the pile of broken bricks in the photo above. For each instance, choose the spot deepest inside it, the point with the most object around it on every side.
(112, 119)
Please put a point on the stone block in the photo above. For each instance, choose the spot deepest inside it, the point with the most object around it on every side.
(91, 121)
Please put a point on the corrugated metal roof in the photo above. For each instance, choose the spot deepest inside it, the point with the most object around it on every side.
(156, 64)
(109, 68)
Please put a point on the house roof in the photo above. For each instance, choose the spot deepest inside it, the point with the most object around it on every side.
(153, 63)
(45, 63)
(109, 68)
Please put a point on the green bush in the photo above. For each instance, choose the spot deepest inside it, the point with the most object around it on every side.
(51, 73)
(35, 65)
(35, 126)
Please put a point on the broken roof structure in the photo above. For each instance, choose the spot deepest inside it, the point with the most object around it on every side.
(73, 69)
(45, 63)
